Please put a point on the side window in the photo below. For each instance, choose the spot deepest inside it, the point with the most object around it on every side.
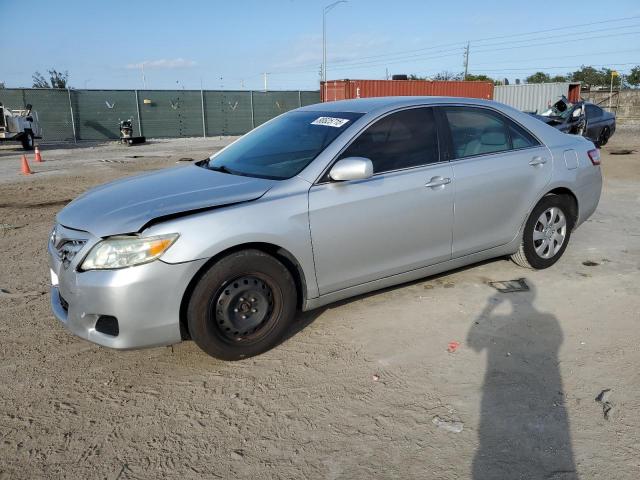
(476, 131)
(593, 112)
(399, 140)
(520, 138)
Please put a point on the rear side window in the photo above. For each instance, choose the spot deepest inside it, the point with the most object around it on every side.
(400, 140)
(476, 131)
(520, 138)
(593, 111)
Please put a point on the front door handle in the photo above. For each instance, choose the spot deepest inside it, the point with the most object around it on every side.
(535, 161)
(438, 182)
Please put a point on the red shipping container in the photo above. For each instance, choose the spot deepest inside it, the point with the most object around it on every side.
(348, 89)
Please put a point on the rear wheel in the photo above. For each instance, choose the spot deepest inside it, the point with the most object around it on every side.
(242, 306)
(546, 233)
(604, 136)
(27, 140)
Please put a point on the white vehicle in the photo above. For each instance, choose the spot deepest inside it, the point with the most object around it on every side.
(19, 125)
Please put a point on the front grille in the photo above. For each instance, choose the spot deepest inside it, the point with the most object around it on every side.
(66, 243)
(63, 302)
(69, 249)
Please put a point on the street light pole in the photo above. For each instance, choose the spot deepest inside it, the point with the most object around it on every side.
(326, 10)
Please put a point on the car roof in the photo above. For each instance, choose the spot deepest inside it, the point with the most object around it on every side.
(367, 105)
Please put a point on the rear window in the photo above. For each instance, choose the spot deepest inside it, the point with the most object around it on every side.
(283, 147)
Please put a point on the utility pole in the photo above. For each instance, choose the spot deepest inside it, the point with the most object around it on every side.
(144, 79)
(386, 73)
(466, 61)
(326, 10)
(265, 80)
(613, 74)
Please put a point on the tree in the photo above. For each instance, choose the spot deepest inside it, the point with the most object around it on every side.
(538, 77)
(559, 79)
(634, 76)
(446, 75)
(56, 79)
(592, 77)
(479, 78)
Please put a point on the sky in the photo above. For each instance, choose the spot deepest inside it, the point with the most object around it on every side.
(230, 44)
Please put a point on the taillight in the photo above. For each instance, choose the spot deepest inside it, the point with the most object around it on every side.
(594, 155)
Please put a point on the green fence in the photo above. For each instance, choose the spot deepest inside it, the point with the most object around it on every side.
(72, 115)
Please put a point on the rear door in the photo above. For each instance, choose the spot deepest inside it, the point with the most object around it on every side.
(499, 169)
(398, 220)
(595, 121)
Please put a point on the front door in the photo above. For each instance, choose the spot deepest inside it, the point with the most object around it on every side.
(398, 220)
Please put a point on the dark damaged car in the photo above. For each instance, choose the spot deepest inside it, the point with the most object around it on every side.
(581, 118)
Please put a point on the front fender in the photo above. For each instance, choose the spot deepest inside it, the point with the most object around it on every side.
(280, 219)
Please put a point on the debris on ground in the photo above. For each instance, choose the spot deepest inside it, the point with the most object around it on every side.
(185, 159)
(4, 293)
(453, 346)
(509, 286)
(237, 454)
(448, 425)
(375, 377)
(607, 406)
(589, 263)
(5, 227)
(621, 151)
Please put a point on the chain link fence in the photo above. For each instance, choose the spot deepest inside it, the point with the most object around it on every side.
(72, 115)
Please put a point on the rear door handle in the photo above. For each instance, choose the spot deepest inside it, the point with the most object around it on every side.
(438, 182)
(537, 161)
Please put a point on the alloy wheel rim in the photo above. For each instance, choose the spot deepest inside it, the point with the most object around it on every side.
(549, 233)
(243, 308)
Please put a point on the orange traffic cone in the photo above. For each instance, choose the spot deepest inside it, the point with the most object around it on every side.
(38, 156)
(25, 166)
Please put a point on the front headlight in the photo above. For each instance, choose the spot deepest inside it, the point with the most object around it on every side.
(121, 252)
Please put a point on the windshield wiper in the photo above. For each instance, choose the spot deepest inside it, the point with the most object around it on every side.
(221, 168)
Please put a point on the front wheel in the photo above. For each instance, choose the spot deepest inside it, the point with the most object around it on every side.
(546, 233)
(242, 306)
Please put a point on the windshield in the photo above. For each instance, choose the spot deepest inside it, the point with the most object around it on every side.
(283, 147)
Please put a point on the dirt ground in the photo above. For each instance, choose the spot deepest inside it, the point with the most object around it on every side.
(362, 389)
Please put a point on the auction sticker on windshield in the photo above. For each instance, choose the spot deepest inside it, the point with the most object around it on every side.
(330, 121)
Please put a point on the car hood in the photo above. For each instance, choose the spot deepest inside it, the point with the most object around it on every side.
(127, 205)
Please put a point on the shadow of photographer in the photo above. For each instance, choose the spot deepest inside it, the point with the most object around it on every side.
(524, 426)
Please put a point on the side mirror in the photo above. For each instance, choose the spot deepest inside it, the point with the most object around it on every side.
(351, 168)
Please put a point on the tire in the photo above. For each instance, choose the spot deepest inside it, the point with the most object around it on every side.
(27, 140)
(532, 252)
(242, 306)
(604, 136)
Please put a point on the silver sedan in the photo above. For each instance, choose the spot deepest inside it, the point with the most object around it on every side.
(319, 204)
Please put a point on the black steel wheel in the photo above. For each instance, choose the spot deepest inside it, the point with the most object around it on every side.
(242, 306)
